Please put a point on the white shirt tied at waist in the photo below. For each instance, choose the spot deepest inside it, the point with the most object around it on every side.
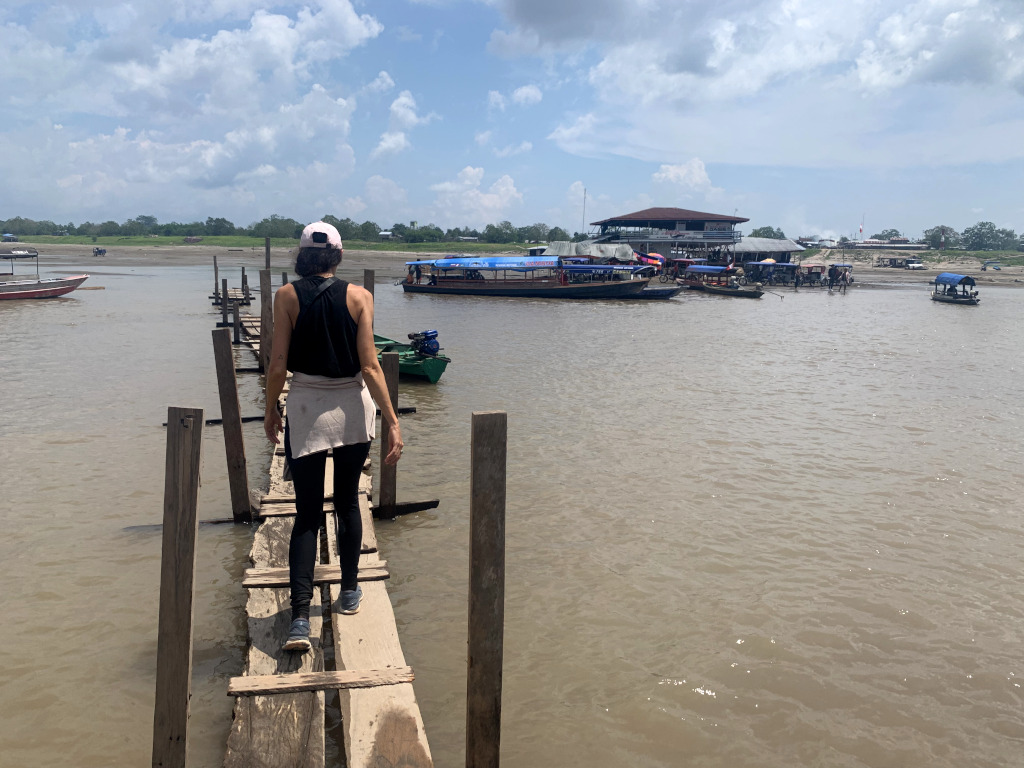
(325, 412)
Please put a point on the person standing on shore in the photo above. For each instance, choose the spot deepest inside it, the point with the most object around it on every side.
(833, 272)
(323, 334)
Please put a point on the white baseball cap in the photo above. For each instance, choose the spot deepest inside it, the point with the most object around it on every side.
(320, 234)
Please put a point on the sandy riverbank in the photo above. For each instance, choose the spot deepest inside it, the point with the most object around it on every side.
(391, 264)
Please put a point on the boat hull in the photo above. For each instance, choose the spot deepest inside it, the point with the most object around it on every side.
(655, 293)
(40, 289)
(598, 290)
(970, 301)
(739, 293)
(410, 362)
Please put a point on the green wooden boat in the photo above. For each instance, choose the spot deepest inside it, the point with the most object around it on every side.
(412, 362)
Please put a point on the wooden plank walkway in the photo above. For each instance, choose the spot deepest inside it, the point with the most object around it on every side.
(280, 704)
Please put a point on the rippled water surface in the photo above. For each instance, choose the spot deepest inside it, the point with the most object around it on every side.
(740, 533)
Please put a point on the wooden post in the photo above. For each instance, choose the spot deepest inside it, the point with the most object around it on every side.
(388, 474)
(216, 278)
(231, 413)
(284, 278)
(368, 276)
(486, 588)
(245, 286)
(266, 315)
(224, 303)
(177, 589)
(266, 246)
(237, 322)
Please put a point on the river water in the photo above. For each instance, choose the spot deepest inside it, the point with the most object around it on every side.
(740, 533)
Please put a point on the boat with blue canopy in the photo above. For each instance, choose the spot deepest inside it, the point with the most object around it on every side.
(542, 276)
(951, 288)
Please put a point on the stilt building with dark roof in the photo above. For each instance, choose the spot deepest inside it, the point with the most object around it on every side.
(674, 232)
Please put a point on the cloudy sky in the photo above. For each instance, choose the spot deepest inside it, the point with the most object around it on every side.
(812, 115)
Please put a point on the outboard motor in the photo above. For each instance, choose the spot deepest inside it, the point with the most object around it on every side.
(425, 342)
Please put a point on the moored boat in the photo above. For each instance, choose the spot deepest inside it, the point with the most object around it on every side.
(40, 289)
(46, 288)
(655, 293)
(742, 293)
(419, 358)
(540, 277)
(951, 288)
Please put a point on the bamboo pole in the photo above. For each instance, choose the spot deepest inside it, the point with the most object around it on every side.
(486, 588)
(231, 412)
(388, 473)
(266, 315)
(177, 587)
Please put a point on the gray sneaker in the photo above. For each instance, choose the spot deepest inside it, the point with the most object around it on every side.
(298, 637)
(350, 599)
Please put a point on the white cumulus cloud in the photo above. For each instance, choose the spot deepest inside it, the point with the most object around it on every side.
(527, 94)
(462, 198)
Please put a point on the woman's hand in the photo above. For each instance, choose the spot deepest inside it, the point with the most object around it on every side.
(395, 444)
(272, 425)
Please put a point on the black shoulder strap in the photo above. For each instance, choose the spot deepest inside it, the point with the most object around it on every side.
(316, 295)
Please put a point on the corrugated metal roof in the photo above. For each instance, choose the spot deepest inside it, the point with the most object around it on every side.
(766, 245)
(667, 214)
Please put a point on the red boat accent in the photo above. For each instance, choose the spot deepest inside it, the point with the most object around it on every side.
(40, 289)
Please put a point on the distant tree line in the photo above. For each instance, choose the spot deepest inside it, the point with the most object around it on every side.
(284, 228)
(983, 236)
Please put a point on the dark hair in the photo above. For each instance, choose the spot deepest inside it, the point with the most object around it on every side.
(313, 261)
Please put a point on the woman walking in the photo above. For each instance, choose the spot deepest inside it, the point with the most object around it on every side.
(323, 334)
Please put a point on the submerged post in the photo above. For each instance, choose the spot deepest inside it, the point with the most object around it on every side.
(266, 315)
(236, 320)
(177, 587)
(486, 588)
(266, 246)
(224, 303)
(284, 278)
(368, 278)
(388, 474)
(245, 286)
(231, 413)
(216, 278)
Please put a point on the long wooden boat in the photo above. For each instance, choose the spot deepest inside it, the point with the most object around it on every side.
(410, 361)
(47, 288)
(742, 293)
(537, 277)
(656, 293)
(949, 282)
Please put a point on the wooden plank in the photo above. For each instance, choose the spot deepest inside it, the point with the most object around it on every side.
(317, 681)
(405, 508)
(486, 588)
(388, 473)
(285, 729)
(234, 445)
(383, 726)
(322, 574)
(177, 587)
(266, 314)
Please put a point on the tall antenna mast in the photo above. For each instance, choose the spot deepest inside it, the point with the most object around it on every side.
(583, 224)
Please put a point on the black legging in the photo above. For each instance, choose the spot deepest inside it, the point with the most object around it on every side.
(308, 478)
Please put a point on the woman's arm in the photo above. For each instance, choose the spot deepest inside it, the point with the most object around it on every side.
(372, 373)
(286, 311)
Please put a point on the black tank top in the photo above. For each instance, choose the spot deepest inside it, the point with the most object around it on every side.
(324, 338)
